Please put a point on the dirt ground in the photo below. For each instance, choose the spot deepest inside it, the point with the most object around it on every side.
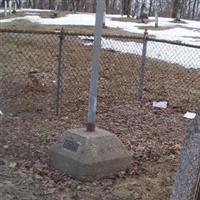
(29, 125)
(153, 138)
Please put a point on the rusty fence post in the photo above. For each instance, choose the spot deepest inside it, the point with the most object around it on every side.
(59, 72)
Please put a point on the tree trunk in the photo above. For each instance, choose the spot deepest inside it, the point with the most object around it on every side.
(194, 9)
(156, 13)
(176, 8)
(64, 5)
(150, 7)
(126, 7)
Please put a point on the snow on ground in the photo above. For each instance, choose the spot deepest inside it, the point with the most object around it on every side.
(188, 32)
(162, 51)
(185, 56)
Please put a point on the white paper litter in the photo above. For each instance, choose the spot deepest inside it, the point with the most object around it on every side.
(190, 115)
(1, 113)
(160, 104)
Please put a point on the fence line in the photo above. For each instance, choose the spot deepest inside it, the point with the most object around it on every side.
(128, 69)
(172, 42)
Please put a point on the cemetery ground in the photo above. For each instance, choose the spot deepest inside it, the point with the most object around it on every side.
(26, 25)
(154, 137)
(23, 24)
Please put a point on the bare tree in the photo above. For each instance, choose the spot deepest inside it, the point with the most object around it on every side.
(126, 7)
(176, 9)
(156, 13)
(150, 7)
(194, 9)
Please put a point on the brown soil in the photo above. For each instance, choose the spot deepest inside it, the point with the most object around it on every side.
(29, 125)
(154, 28)
(25, 25)
(41, 14)
(131, 19)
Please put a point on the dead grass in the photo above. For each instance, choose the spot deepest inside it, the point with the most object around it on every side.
(131, 19)
(26, 25)
(153, 28)
(13, 15)
(50, 14)
(42, 14)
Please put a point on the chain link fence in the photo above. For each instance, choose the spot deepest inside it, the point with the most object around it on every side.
(28, 63)
(172, 73)
(49, 72)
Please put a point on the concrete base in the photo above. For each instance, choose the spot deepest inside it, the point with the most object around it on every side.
(89, 154)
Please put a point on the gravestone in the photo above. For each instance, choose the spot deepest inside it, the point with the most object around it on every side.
(187, 182)
(87, 155)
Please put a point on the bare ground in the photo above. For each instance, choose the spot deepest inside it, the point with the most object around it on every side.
(29, 126)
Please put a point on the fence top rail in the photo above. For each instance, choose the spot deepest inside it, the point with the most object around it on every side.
(173, 42)
(66, 33)
(29, 32)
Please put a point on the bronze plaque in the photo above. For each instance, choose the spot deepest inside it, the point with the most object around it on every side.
(71, 145)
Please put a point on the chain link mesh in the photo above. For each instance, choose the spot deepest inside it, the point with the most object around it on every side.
(172, 74)
(30, 60)
(28, 72)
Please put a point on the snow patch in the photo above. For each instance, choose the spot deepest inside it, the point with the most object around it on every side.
(187, 32)
(162, 51)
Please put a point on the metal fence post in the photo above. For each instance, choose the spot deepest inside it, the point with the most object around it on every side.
(142, 70)
(59, 72)
(92, 103)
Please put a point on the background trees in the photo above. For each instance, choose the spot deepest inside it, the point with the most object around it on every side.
(188, 9)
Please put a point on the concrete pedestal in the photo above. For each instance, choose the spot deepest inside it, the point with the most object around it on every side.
(89, 154)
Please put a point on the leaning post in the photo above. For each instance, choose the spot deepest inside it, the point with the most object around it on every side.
(92, 102)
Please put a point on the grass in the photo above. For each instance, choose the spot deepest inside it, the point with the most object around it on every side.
(42, 14)
(18, 14)
(153, 28)
(26, 25)
(131, 19)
